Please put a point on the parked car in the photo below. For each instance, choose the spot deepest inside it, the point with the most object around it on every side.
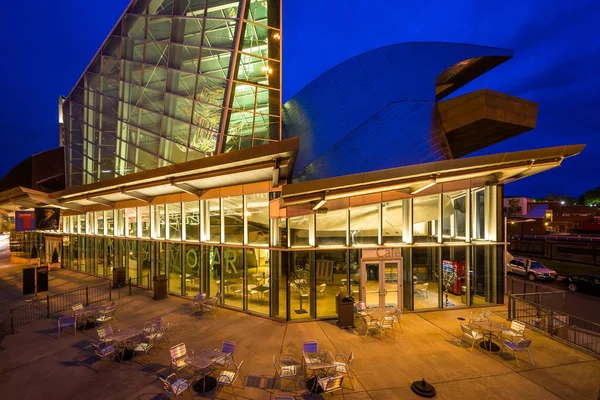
(583, 283)
(531, 269)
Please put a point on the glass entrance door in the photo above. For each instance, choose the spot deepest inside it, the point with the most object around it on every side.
(381, 283)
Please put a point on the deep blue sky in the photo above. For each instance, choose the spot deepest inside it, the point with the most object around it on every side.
(45, 47)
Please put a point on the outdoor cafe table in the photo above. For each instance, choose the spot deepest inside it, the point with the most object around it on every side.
(320, 364)
(203, 361)
(88, 314)
(124, 336)
(490, 329)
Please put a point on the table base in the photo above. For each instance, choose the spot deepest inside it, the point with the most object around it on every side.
(87, 325)
(489, 346)
(205, 384)
(313, 386)
(127, 355)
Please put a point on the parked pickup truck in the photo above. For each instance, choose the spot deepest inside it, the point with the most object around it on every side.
(533, 270)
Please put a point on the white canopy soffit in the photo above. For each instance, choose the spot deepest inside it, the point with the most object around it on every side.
(430, 178)
(272, 162)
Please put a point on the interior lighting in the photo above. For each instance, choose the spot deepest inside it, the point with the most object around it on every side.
(276, 36)
(267, 70)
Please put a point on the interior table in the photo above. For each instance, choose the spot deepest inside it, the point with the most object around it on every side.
(203, 361)
(491, 330)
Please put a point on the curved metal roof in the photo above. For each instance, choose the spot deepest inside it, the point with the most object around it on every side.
(374, 111)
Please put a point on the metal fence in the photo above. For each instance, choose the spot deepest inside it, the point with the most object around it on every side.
(19, 316)
(87, 295)
(533, 309)
(134, 285)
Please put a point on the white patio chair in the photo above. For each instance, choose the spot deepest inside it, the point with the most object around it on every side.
(397, 316)
(77, 309)
(178, 355)
(481, 316)
(361, 309)
(371, 325)
(522, 345)
(174, 386)
(144, 347)
(228, 378)
(344, 367)
(469, 333)
(103, 350)
(284, 372)
(386, 326)
(105, 315)
(517, 330)
(67, 322)
(105, 334)
(330, 384)
(160, 333)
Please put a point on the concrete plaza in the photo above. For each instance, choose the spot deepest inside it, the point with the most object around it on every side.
(34, 364)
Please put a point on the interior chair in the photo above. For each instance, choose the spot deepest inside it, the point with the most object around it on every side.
(330, 384)
(516, 331)
(174, 386)
(228, 377)
(469, 333)
(422, 290)
(343, 366)
(521, 345)
(481, 316)
(321, 290)
(283, 371)
(67, 322)
(178, 355)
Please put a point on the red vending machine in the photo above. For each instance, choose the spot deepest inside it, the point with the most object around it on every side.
(459, 268)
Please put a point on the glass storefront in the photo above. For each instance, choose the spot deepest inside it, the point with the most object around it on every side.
(232, 246)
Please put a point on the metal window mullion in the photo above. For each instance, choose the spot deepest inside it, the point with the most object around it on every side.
(379, 224)
(221, 221)
(468, 215)
(245, 219)
(440, 218)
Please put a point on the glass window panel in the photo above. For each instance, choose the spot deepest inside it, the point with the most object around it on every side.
(158, 219)
(132, 50)
(159, 29)
(258, 288)
(257, 70)
(190, 8)
(130, 223)
(233, 216)
(175, 130)
(486, 270)
(195, 155)
(233, 276)
(174, 271)
(184, 58)
(147, 141)
(172, 152)
(268, 101)
(222, 8)
(364, 224)
(144, 217)
(152, 100)
(181, 83)
(156, 53)
(219, 33)
(145, 161)
(213, 230)
(134, 26)
(453, 223)
(111, 67)
(110, 222)
(192, 30)
(211, 259)
(207, 116)
(244, 96)
(301, 285)
(426, 277)
(392, 222)
(258, 11)
(478, 214)
(192, 260)
(154, 77)
(99, 222)
(300, 228)
(256, 39)
(454, 276)
(138, 7)
(132, 260)
(160, 7)
(149, 121)
(191, 211)
(425, 218)
(257, 215)
(204, 140)
(174, 221)
(178, 107)
(331, 228)
(266, 127)
(331, 267)
(215, 62)
(210, 90)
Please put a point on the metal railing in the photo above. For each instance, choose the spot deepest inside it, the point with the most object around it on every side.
(19, 316)
(134, 285)
(87, 295)
(533, 310)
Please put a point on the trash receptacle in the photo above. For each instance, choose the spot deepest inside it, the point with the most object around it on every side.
(160, 287)
(345, 310)
(463, 294)
(118, 276)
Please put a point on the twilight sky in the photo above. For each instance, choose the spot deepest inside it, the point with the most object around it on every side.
(45, 48)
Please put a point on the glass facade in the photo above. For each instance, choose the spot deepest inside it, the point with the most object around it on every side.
(175, 81)
(360, 246)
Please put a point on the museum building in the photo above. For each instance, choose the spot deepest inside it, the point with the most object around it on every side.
(181, 161)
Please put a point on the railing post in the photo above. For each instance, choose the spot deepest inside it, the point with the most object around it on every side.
(87, 299)
(551, 323)
(510, 301)
(130, 286)
(109, 291)
(48, 305)
(565, 302)
(12, 321)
